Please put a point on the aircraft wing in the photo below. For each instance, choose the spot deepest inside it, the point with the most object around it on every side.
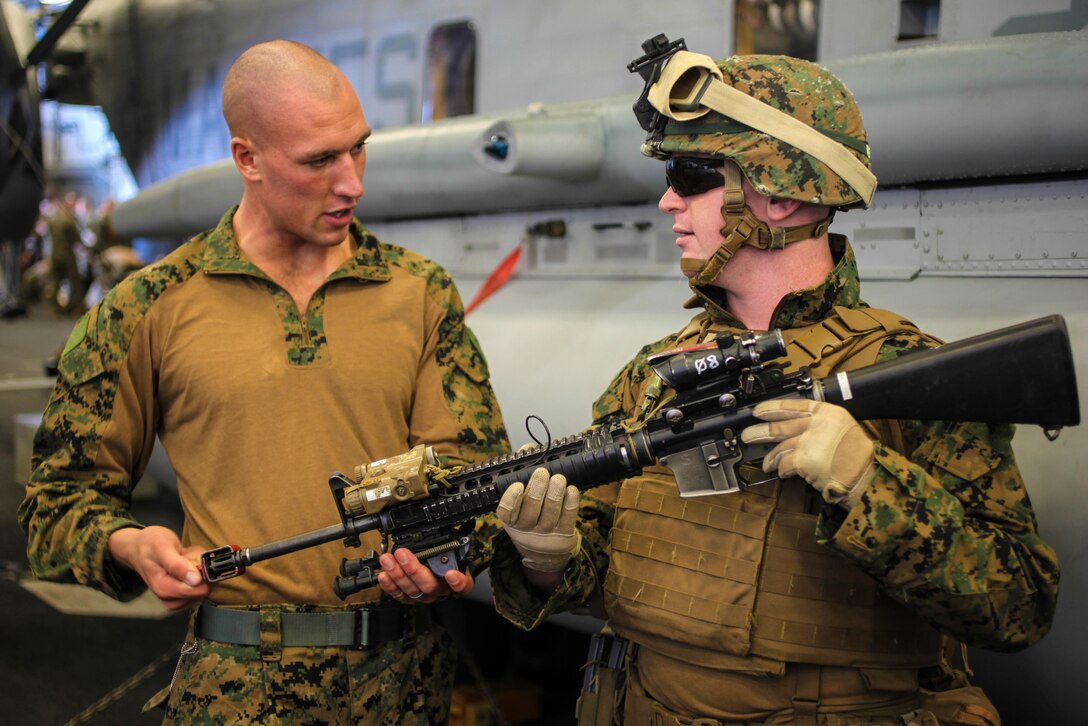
(1010, 106)
(564, 155)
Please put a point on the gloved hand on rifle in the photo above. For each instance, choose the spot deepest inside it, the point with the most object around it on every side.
(819, 442)
(540, 520)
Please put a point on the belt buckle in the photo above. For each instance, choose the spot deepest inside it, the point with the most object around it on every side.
(362, 629)
(371, 626)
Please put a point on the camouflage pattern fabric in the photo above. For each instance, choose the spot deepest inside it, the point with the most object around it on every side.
(460, 354)
(72, 507)
(64, 238)
(401, 683)
(108, 405)
(946, 528)
(807, 92)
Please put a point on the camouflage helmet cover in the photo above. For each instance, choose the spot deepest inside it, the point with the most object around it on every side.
(809, 93)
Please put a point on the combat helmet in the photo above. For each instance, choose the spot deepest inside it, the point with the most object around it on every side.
(790, 126)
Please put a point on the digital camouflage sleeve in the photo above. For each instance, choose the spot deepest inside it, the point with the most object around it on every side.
(950, 532)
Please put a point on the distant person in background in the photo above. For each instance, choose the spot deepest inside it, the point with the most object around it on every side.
(112, 256)
(34, 265)
(66, 289)
(284, 344)
(101, 226)
(10, 274)
(12, 304)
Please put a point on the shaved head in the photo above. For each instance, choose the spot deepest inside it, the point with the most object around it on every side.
(262, 75)
(298, 136)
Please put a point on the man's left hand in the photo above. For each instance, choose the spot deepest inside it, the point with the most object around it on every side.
(407, 580)
(819, 442)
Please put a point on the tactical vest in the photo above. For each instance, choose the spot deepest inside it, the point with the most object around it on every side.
(738, 581)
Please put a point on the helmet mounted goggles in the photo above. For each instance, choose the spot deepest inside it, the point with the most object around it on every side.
(742, 129)
(683, 86)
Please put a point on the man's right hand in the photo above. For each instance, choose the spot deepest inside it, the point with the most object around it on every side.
(540, 520)
(168, 569)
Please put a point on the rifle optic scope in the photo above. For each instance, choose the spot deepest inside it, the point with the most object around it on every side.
(728, 355)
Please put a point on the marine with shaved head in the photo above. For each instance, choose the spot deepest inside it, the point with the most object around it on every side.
(284, 344)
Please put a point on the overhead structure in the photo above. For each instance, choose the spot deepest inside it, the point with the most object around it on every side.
(22, 178)
(22, 174)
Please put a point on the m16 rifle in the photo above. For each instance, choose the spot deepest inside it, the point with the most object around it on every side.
(1022, 374)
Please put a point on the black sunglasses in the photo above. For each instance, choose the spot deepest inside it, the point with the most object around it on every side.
(689, 175)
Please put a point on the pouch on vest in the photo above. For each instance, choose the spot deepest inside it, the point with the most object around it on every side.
(603, 680)
(739, 579)
(947, 692)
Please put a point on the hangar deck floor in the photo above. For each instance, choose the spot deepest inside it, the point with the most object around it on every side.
(57, 667)
(54, 665)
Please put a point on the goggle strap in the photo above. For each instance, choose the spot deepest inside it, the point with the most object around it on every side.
(736, 104)
(730, 102)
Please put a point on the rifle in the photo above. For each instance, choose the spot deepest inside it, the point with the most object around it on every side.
(1022, 374)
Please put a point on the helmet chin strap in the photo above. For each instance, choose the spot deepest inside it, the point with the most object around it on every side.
(742, 227)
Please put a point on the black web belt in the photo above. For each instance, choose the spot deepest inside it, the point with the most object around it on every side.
(359, 627)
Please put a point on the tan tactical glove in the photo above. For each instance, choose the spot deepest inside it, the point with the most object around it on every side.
(540, 520)
(820, 442)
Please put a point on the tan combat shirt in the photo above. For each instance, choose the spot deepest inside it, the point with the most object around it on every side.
(255, 407)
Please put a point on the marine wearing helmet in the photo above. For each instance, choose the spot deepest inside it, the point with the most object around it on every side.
(831, 588)
(788, 125)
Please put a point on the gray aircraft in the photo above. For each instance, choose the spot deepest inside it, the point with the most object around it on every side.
(975, 114)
